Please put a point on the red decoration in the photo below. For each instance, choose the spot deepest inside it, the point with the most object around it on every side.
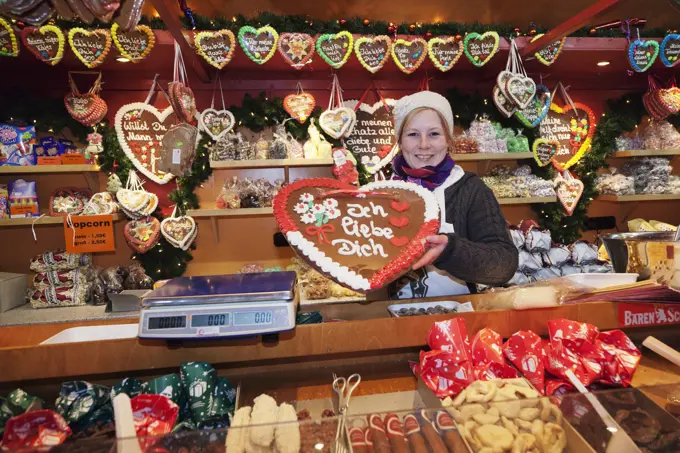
(400, 206)
(399, 241)
(41, 428)
(398, 222)
(154, 415)
(366, 22)
(524, 350)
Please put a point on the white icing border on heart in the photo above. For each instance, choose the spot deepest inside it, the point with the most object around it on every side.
(352, 103)
(346, 128)
(123, 144)
(202, 126)
(188, 239)
(342, 273)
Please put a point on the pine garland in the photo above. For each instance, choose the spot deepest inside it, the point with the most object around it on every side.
(358, 25)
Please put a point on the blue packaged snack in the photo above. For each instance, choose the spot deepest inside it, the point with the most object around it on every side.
(49, 147)
(16, 145)
(68, 147)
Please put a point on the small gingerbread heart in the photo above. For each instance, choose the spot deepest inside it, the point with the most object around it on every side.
(409, 55)
(134, 44)
(337, 122)
(544, 150)
(481, 48)
(217, 47)
(143, 234)
(335, 49)
(179, 231)
(569, 193)
(299, 106)
(548, 55)
(372, 51)
(9, 46)
(46, 43)
(91, 47)
(444, 52)
(296, 48)
(259, 44)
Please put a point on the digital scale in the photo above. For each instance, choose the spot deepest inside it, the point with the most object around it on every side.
(220, 306)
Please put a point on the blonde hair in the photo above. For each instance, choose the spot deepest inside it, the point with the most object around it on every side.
(414, 112)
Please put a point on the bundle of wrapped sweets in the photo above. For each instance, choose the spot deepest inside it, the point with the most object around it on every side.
(517, 183)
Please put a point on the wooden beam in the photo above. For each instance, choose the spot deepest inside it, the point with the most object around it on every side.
(568, 26)
(167, 10)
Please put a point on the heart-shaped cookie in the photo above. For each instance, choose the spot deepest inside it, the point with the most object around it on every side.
(143, 234)
(132, 200)
(101, 203)
(259, 44)
(337, 122)
(135, 44)
(569, 192)
(335, 49)
(80, 106)
(179, 231)
(548, 55)
(409, 55)
(64, 202)
(520, 89)
(216, 123)
(91, 47)
(533, 114)
(346, 233)
(573, 129)
(296, 48)
(481, 48)
(46, 43)
(372, 51)
(140, 129)
(544, 150)
(182, 100)
(9, 46)
(642, 54)
(669, 52)
(444, 52)
(503, 104)
(217, 47)
(299, 106)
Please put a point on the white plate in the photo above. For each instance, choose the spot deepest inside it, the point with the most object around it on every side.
(597, 281)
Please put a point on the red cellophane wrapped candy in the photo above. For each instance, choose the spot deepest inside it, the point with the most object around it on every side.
(42, 428)
(154, 415)
(487, 357)
(524, 349)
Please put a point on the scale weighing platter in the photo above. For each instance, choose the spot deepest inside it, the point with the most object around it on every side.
(220, 306)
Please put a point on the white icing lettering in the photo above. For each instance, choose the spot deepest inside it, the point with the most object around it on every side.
(356, 210)
(353, 228)
(378, 210)
(348, 248)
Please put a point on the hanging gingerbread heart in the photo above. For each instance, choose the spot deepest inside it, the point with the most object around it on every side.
(217, 47)
(337, 122)
(538, 108)
(180, 232)
(479, 49)
(216, 123)
(503, 104)
(143, 234)
(9, 46)
(573, 127)
(544, 150)
(642, 54)
(46, 43)
(669, 52)
(335, 49)
(320, 216)
(548, 55)
(444, 52)
(520, 89)
(91, 47)
(372, 51)
(135, 44)
(88, 108)
(569, 191)
(296, 48)
(299, 106)
(259, 44)
(409, 55)
(182, 100)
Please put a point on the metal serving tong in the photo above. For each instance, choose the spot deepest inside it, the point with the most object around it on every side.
(344, 389)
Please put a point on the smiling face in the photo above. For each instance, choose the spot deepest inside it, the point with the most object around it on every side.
(424, 138)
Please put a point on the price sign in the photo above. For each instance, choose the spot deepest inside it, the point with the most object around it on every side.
(73, 159)
(637, 315)
(88, 234)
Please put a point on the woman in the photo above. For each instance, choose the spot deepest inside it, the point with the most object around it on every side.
(473, 244)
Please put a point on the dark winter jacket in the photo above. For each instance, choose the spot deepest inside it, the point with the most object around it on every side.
(480, 250)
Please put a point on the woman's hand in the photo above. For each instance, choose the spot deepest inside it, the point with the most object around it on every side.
(434, 245)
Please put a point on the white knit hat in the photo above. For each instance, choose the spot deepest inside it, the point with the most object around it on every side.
(428, 99)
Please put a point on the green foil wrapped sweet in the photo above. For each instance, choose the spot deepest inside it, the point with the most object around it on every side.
(86, 407)
(18, 402)
(130, 386)
(211, 398)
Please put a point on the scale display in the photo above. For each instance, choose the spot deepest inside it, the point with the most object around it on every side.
(220, 306)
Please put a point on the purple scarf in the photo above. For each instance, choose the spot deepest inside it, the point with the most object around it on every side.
(429, 177)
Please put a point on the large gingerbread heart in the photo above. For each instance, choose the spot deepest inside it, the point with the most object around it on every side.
(140, 128)
(91, 47)
(372, 51)
(409, 55)
(179, 231)
(217, 47)
(444, 52)
(296, 48)
(361, 238)
(46, 43)
(335, 49)
(142, 235)
(135, 44)
(573, 129)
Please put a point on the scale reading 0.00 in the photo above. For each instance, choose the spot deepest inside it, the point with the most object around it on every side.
(253, 318)
(168, 322)
(210, 320)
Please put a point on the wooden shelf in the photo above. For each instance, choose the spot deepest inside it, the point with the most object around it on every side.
(647, 152)
(243, 212)
(270, 163)
(47, 220)
(474, 157)
(526, 200)
(41, 169)
(642, 197)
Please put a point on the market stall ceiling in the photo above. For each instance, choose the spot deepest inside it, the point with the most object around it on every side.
(520, 13)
